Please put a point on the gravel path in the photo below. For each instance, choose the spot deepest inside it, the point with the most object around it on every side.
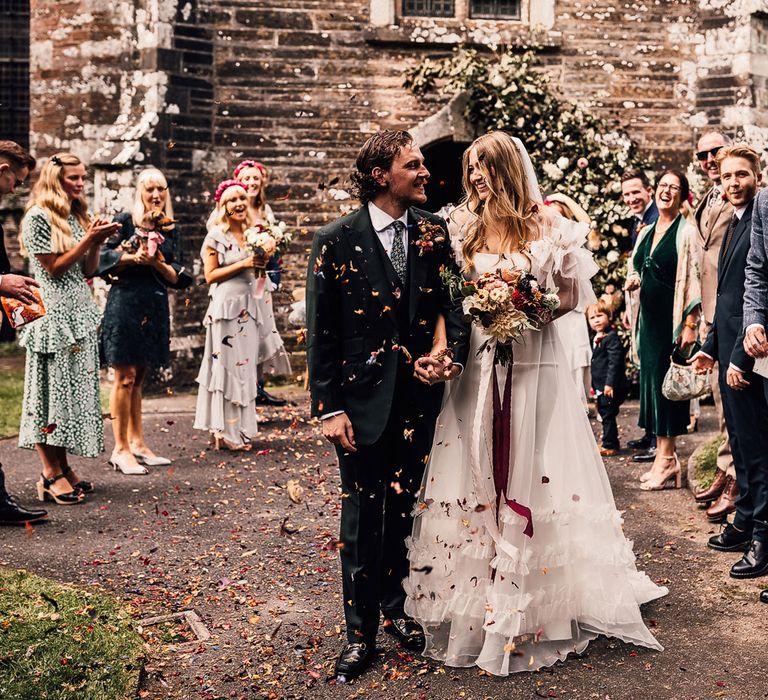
(218, 534)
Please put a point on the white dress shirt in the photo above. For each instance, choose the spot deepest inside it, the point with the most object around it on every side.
(382, 224)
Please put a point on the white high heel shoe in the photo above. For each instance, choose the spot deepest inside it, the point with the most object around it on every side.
(150, 461)
(118, 463)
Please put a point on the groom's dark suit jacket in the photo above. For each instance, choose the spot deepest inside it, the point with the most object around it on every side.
(724, 341)
(359, 315)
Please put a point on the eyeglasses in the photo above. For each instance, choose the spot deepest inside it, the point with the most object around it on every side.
(662, 186)
(703, 155)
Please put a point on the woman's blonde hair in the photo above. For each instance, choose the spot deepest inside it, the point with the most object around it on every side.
(509, 206)
(219, 218)
(48, 194)
(147, 176)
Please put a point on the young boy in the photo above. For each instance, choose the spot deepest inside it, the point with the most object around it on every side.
(608, 378)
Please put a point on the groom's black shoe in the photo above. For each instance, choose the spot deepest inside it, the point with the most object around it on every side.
(648, 456)
(354, 659)
(754, 563)
(407, 631)
(730, 539)
(764, 596)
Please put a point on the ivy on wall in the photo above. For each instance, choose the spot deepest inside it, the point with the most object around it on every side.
(573, 151)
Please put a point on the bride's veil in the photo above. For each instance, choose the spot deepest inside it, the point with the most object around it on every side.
(530, 173)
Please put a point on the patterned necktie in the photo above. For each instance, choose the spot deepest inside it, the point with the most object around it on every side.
(734, 222)
(397, 254)
(714, 196)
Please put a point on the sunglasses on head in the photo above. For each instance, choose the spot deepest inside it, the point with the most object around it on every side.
(703, 155)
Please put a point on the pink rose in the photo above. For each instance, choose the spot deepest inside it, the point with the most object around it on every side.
(582, 163)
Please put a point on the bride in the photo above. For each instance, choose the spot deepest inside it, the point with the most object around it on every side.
(516, 561)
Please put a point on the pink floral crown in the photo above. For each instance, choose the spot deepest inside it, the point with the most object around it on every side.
(224, 185)
(249, 164)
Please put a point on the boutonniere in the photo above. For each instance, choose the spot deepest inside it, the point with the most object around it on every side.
(599, 338)
(430, 235)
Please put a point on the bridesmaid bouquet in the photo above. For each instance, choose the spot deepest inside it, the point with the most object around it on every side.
(504, 303)
(266, 240)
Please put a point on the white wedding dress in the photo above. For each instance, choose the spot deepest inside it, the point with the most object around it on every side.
(486, 593)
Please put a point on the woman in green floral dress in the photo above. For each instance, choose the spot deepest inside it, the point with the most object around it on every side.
(61, 410)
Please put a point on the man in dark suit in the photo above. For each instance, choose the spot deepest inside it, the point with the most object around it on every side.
(374, 294)
(637, 194)
(744, 402)
(15, 164)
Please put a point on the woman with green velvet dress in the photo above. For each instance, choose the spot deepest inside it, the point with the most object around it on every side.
(665, 271)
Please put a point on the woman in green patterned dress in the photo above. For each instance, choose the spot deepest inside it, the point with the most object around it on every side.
(666, 271)
(61, 411)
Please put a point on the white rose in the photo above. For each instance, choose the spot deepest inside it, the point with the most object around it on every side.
(591, 189)
(552, 171)
(612, 256)
(497, 80)
(562, 162)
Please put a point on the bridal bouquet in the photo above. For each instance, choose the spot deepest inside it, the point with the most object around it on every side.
(504, 303)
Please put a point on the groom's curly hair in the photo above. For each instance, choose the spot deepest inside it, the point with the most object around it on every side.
(379, 151)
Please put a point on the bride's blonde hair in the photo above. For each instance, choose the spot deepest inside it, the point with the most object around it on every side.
(48, 194)
(509, 207)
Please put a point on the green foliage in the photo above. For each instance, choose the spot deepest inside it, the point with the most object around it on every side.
(706, 462)
(11, 392)
(60, 642)
(573, 151)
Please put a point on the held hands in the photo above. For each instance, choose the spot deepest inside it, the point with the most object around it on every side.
(18, 287)
(608, 391)
(436, 367)
(338, 430)
(755, 342)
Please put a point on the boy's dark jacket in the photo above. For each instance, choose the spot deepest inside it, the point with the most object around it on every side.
(608, 357)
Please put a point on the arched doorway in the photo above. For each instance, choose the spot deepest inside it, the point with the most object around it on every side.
(443, 160)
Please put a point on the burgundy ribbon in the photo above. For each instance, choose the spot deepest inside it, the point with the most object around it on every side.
(502, 444)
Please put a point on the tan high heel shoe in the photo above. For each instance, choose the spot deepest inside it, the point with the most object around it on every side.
(44, 493)
(671, 478)
(221, 443)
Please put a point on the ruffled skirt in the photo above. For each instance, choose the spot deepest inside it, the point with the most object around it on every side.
(226, 397)
(517, 586)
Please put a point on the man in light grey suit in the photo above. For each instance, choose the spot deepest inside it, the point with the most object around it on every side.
(712, 215)
(756, 296)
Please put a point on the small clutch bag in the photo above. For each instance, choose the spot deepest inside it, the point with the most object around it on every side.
(19, 313)
(681, 383)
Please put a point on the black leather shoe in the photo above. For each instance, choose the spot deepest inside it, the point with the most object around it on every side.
(648, 456)
(407, 631)
(264, 398)
(764, 596)
(754, 563)
(643, 443)
(11, 513)
(730, 539)
(354, 659)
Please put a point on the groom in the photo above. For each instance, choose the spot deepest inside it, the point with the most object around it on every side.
(373, 297)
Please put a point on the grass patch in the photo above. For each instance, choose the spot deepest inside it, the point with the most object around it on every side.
(11, 391)
(706, 462)
(11, 394)
(59, 642)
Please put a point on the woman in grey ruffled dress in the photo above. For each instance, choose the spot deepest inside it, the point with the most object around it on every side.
(226, 399)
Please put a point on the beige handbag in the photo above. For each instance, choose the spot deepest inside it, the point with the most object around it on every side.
(681, 382)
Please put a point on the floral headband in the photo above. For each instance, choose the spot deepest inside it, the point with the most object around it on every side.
(249, 164)
(224, 186)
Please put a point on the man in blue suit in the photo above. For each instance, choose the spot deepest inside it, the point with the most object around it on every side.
(744, 401)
